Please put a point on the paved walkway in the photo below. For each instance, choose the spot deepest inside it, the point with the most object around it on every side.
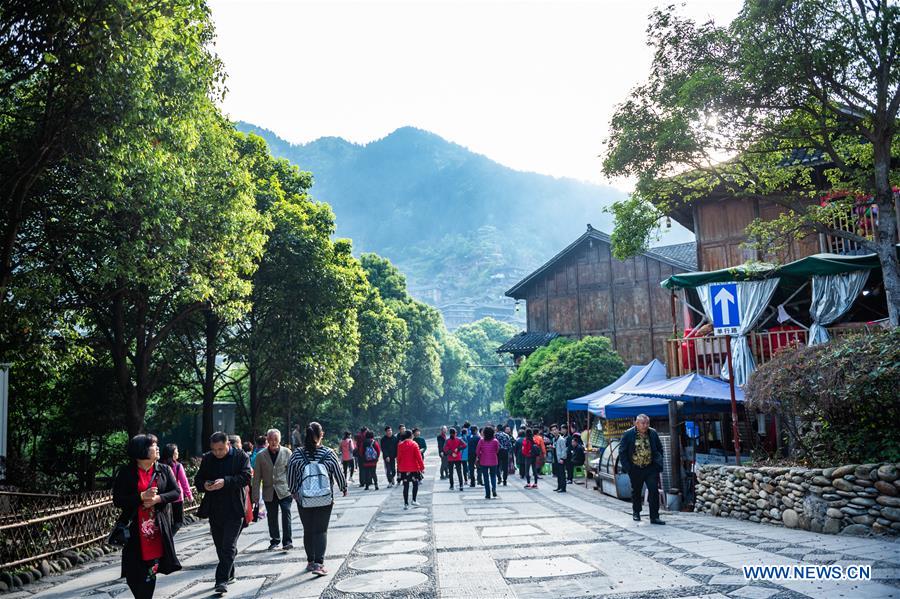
(525, 544)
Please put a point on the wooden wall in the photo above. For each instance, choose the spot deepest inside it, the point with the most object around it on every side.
(720, 226)
(591, 293)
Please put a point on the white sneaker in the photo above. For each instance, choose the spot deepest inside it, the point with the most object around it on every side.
(405, 507)
(416, 503)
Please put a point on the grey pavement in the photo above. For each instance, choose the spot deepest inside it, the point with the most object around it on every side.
(526, 543)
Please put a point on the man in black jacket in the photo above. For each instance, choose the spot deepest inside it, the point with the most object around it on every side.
(641, 456)
(223, 474)
(389, 444)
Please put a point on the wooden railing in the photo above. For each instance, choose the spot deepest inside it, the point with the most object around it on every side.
(707, 355)
(42, 526)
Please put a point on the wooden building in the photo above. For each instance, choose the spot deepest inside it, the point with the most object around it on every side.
(720, 223)
(720, 220)
(584, 291)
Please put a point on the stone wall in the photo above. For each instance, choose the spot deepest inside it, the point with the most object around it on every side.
(853, 499)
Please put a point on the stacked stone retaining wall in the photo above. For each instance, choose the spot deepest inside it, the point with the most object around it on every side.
(856, 499)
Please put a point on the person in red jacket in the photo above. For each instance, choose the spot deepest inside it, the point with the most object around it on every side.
(410, 466)
(453, 450)
(531, 450)
(370, 453)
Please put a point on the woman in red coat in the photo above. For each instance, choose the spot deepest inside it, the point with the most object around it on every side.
(453, 450)
(410, 466)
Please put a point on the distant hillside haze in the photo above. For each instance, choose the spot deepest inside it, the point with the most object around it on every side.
(462, 227)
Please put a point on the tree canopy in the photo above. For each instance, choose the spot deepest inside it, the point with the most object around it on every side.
(560, 371)
(725, 108)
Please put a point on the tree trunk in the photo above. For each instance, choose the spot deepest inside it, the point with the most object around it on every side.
(134, 415)
(253, 390)
(886, 233)
(209, 393)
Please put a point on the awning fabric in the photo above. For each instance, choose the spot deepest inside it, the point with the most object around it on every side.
(804, 268)
(581, 403)
(654, 371)
(698, 392)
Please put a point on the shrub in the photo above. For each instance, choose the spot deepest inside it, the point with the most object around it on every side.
(565, 371)
(839, 401)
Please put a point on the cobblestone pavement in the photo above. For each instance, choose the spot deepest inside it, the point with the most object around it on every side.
(524, 544)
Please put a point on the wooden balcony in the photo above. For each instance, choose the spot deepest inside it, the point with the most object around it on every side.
(706, 355)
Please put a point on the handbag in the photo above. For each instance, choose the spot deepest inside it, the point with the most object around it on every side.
(121, 532)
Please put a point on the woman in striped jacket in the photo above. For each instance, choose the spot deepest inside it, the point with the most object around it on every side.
(315, 519)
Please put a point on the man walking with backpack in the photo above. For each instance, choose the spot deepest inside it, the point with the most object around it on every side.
(312, 473)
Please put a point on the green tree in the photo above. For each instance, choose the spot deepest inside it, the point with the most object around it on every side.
(166, 226)
(461, 389)
(492, 370)
(817, 75)
(523, 377)
(300, 338)
(69, 72)
(420, 383)
(384, 341)
(566, 371)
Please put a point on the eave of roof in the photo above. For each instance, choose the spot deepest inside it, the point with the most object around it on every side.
(591, 233)
(526, 342)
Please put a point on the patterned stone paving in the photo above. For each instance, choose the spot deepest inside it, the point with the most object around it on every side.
(528, 544)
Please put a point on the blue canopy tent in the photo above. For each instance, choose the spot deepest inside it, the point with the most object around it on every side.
(699, 394)
(655, 371)
(632, 377)
(580, 404)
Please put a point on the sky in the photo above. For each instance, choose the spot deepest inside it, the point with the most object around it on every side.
(532, 85)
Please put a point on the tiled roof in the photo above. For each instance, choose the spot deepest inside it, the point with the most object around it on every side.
(804, 157)
(683, 253)
(525, 343)
(592, 233)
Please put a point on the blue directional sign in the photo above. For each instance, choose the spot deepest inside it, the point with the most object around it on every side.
(724, 301)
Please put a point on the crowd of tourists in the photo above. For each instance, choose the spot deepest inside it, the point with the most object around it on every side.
(239, 479)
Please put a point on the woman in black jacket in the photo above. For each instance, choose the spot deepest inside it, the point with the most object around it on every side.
(143, 490)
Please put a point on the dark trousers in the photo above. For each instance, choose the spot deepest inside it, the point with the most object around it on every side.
(560, 475)
(445, 468)
(225, 532)
(138, 584)
(640, 477)
(503, 458)
(459, 473)
(520, 462)
(315, 531)
(272, 518)
(349, 465)
(473, 471)
(177, 516)
(489, 476)
(390, 469)
(370, 476)
(415, 487)
(531, 468)
(570, 470)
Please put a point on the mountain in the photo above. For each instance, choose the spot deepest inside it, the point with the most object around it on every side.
(462, 227)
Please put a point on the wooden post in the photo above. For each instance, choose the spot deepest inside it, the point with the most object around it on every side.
(734, 414)
(674, 317)
(674, 445)
(587, 442)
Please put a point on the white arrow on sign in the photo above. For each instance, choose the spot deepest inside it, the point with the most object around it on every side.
(724, 298)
